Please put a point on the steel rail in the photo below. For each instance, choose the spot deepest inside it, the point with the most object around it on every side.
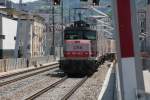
(74, 88)
(46, 89)
(25, 76)
(22, 72)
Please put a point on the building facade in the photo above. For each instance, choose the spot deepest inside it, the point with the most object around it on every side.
(21, 34)
(38, 36)
(8, 30)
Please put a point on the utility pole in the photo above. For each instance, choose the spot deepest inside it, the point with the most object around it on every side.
(6, 3)
(69, 15)
(62, 17)
(55, 2)
(62, 26)
(53, 22)
(20, 4)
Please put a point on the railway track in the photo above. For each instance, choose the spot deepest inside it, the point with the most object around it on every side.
(66, 96)
(37, 89)
(39, 70)
(46, 89)
(74, 88)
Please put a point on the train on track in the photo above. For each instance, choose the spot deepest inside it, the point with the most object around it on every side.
(84, 49)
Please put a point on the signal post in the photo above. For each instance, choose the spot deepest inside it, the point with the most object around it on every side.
(130, 77)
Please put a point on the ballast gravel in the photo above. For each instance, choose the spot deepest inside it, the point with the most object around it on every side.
(90, 90)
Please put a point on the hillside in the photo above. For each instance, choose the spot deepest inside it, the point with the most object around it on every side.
(43, 6)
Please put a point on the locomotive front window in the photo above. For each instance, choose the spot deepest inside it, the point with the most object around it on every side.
(90, 35)
(87, 35)
(73, 35)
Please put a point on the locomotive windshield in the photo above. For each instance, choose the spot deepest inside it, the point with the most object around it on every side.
(86, 34)
(90, 35)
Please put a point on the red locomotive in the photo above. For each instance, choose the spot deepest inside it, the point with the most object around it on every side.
(83, 49)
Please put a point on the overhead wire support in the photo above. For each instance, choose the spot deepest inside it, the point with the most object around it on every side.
(98, 11)
(53, 22)
(62, 17)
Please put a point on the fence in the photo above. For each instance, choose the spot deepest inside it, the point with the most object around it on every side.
(12, 64)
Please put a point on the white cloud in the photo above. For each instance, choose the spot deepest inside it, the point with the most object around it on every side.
(17, 1)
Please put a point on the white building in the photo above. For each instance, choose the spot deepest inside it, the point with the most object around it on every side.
(8, 30)
(23, 34)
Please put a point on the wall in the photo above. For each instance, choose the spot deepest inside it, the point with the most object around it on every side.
(8, 28)
(19, 63)
(38, 38)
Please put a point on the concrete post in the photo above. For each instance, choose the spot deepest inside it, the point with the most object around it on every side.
(130, 68)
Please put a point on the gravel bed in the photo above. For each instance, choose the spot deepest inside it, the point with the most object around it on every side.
(58, 92)
(91, 88)
(89, 91)
(14, 88)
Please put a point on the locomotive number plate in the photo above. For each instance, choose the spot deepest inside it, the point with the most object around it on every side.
(77, 47)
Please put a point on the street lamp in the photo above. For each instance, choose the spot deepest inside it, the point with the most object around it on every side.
(53, 23)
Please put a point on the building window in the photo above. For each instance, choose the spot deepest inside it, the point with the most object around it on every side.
(2, 4)
(14, 38)
(2, 36)
(148, 2)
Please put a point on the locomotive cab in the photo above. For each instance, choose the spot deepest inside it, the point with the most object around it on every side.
(80, 49)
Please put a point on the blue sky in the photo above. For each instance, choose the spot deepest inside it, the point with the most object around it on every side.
(16, 1)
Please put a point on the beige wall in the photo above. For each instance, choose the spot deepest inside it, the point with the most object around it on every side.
(38, 38)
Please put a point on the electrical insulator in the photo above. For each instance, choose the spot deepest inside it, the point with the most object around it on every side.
(96, 2)
(56, 2)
